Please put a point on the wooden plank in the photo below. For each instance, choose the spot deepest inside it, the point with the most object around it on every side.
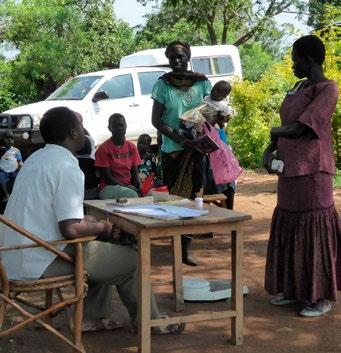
(237, 287)
(144, 329)
(218, 315)
(177, 274)
(79, 290)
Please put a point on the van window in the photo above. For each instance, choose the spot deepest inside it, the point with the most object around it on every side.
(202, 65)
(119, 87)
(222, 65)
(75, 89)
(219, 65)
(147, 81)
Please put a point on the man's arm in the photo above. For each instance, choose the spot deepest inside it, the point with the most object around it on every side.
(107, 176)
(135, 179)
(77, 228)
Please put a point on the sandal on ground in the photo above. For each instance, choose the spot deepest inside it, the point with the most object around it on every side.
(281, 301)
(100, 325)
(172, 329)
(316, 310)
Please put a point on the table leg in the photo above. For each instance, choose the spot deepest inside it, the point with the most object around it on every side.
(144, 340)
(177, 273)
(237, 287)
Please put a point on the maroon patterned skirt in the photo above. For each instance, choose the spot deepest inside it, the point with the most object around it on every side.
(304, 249)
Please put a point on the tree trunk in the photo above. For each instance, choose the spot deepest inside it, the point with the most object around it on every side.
(212, 33)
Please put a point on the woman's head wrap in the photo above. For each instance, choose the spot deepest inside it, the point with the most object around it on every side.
(312, 46)
(178, 43)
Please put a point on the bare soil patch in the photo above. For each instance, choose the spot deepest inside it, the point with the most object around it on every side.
(267, 328)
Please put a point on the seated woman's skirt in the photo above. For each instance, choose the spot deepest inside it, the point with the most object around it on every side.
(304, 250)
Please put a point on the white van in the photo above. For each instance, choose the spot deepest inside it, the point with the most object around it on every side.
(126, 90)
(96, 96)
(217, 62)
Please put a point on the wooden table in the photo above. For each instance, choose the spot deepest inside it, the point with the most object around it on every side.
(218, 220)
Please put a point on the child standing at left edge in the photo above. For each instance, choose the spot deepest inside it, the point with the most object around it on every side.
(10, 162)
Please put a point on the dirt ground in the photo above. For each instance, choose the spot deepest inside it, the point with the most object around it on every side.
(266, 328)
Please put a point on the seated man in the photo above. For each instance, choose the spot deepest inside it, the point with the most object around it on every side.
(52, 208)
(117, 161)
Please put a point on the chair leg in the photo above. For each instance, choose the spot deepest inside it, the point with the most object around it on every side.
(48, 303)
(79, 291)
(3, 306)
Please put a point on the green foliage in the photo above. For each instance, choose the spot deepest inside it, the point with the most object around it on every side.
(165, 26)
(58, 39)
(243, 18)
(255, 60)
(331, 34)
(257, 105)
(317, 11)
(6, 96)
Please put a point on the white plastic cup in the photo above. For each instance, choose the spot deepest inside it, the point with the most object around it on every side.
(199, 202)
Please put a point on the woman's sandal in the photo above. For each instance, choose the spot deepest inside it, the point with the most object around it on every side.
(172, 329)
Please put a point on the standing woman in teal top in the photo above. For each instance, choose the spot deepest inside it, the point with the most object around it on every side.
(175, 93)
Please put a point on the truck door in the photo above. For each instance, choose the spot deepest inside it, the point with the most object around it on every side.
(122, 99)
(146, 81)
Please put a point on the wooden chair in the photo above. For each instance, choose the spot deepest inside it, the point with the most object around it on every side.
(11, 290)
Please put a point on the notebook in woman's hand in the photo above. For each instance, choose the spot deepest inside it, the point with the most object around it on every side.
(205, 144)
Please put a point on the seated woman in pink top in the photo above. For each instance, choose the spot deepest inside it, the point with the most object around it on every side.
(305, 245)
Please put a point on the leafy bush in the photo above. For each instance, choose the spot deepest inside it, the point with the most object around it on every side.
(257, 105)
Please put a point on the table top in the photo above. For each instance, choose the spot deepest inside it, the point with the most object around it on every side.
(215, 215)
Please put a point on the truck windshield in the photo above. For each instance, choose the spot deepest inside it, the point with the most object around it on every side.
(75, 89)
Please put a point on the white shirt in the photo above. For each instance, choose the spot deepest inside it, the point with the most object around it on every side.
(221, 106)
(9, 160)
(48, 189)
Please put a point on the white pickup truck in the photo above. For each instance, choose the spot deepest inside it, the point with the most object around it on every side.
(126, 90)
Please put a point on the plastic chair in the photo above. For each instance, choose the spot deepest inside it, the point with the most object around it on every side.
(11, 290)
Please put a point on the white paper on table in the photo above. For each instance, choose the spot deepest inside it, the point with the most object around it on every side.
(183, 212)
(165, 212)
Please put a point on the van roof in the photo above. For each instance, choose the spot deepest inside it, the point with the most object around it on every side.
(123, 71)
(156, 57)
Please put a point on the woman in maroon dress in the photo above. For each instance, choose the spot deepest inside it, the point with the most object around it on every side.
(304, 250)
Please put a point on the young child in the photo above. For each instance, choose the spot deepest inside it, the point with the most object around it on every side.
(10, 162)
(214, 106)
(149, 166)
(218, 112)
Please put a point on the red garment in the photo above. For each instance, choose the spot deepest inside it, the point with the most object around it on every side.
(312, 106)
(119, 158)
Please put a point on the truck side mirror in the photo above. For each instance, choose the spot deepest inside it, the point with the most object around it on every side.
(100, 95)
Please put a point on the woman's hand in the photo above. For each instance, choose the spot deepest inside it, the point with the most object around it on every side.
(268, 157)
(186, 144)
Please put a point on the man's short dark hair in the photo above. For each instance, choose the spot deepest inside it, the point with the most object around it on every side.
(312, 46)
(57, 123)
(116, 116)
